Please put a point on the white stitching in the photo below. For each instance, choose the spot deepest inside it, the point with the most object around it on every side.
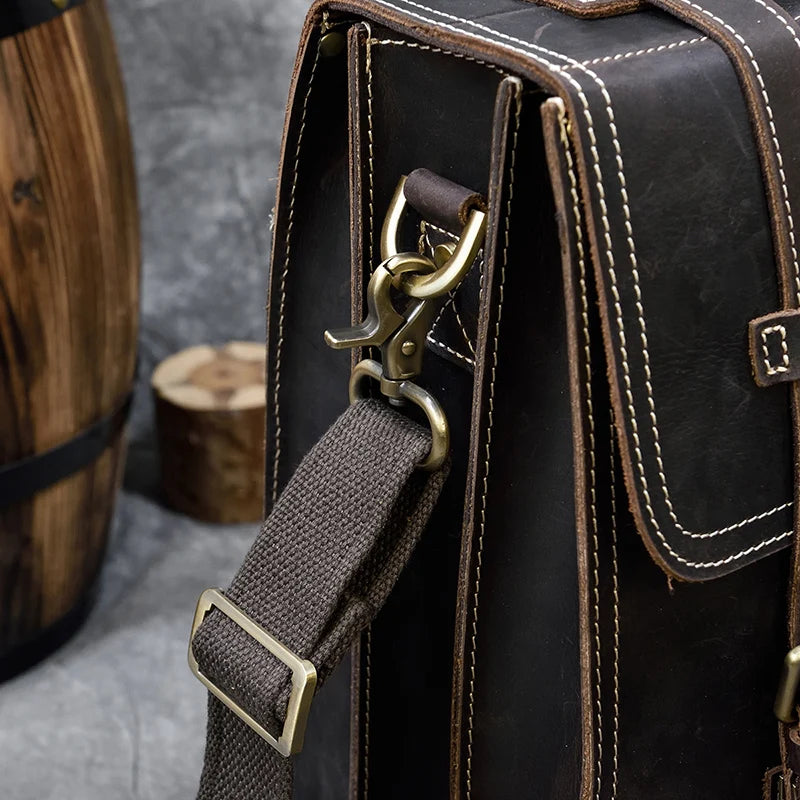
(783, 20)
(450, 350)
(609, 254)
(441, 230)
(783, 367)
(431, 49)
(371, 157)
(367, 693)
(615, 772)
(793, 34)
(488, 445)
(771, 120)
(426, 242)
(282, 285)
(644, 52)
(581, 258)
(661, 48)
(451, 303)
(463, 329)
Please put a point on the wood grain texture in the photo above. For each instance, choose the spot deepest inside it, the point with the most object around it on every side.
(69, 295)
(210, 411)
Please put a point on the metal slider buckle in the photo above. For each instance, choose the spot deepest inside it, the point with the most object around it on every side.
(401, 332)
(304, 675)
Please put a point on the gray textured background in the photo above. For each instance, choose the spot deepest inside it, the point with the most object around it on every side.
(115, 714)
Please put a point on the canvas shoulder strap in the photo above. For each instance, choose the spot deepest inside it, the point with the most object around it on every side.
(319, 571)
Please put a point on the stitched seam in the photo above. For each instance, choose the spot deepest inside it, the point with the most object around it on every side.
(425, 242)
(783, 20)
(371, 157)
(488, 447)
(784, 366)
(581, 258)
(787, 25)
(441, 311)
(431, 49)
(612, 263)
(450, 350)
(771, 119)
(367, 693)
(615, 773)
(441, 230)
(463, 329)
(652, 50)
(282, 285)
(662, 48)
(644, 52)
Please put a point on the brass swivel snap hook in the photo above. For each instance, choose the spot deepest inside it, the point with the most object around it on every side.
(404, 295)
(400, 333)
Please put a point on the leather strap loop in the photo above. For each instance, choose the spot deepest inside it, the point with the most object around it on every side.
(319, 571)
(441, 201)
(775, 348)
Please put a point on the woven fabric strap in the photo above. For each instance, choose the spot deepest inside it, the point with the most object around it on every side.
(319, 571)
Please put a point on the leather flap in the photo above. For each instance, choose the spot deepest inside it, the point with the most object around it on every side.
(683, 250)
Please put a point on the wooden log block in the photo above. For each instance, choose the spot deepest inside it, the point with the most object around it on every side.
(210, 414)
(69, 296)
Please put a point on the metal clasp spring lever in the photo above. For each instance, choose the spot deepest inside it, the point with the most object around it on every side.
(399, 334)
(421, 285)
(401, 337)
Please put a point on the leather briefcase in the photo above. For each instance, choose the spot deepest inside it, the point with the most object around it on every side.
(592, 206)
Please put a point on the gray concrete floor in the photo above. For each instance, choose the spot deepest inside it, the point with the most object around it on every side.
(115, 713)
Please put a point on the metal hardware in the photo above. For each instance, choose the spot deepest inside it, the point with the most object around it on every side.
(449, 273)
(332, 44)
(401, 332)
(440, 429)
(400, 335)
(442, 253)
(786, 700)
(304, 675)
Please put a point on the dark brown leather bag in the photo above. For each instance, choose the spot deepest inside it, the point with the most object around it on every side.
(599, 606)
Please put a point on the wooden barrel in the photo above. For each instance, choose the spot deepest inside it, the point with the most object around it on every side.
(69, 295)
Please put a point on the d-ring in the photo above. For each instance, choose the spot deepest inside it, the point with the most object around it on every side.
(440, 429)
(452, 272)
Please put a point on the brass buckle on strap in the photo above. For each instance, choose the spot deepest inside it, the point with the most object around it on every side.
(786, 699)
(304, 675)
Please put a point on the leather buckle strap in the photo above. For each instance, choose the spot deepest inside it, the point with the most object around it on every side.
(304, 675)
